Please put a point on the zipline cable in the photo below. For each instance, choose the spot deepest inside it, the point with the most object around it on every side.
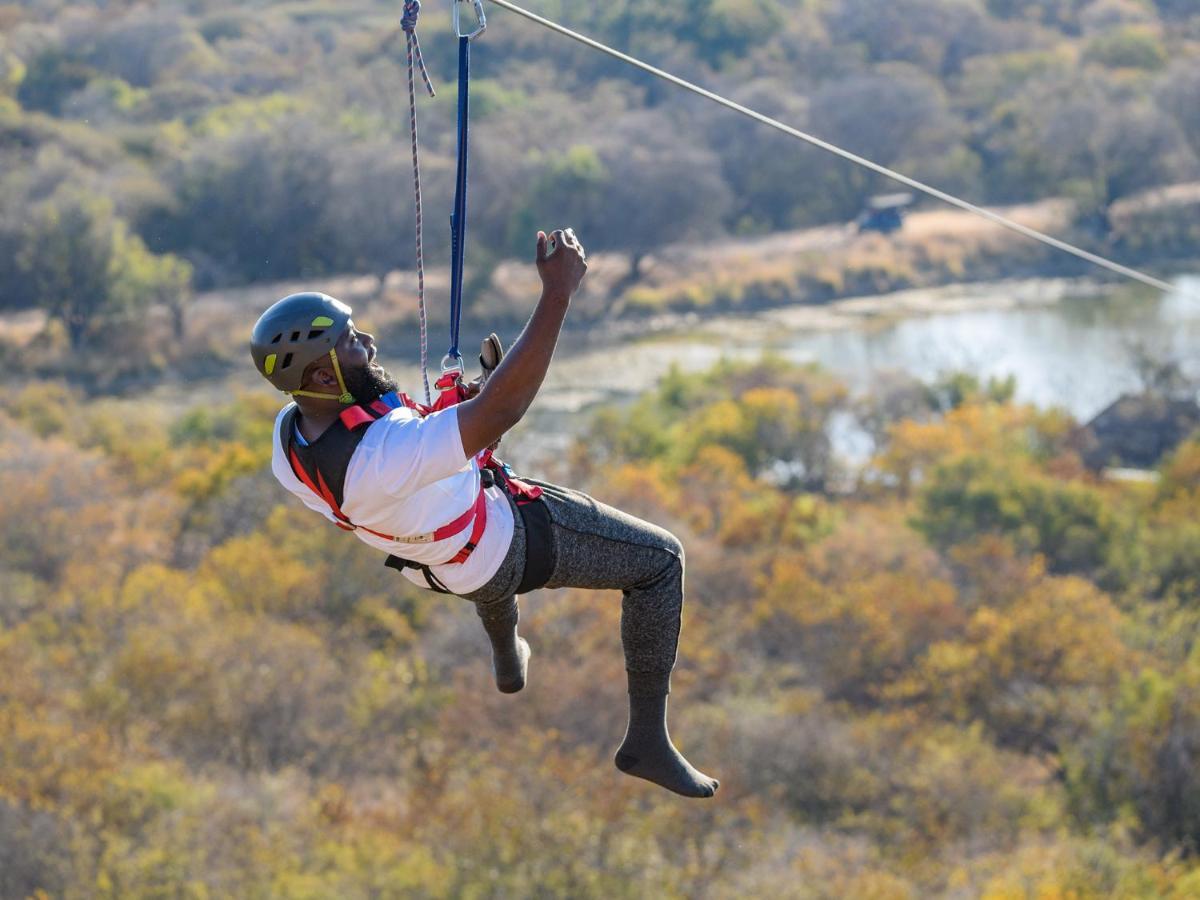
(996, 218)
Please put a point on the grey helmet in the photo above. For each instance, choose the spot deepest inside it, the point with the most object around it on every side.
(294, 332)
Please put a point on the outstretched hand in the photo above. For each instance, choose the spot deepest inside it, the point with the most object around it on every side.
(561, 263)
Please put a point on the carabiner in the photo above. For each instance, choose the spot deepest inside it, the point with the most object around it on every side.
(453, 363)
(480, 19)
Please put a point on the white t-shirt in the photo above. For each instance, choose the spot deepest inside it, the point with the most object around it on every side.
(410, 476)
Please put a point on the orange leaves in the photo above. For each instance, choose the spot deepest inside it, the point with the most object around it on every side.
(1028, 671)
(997, 430)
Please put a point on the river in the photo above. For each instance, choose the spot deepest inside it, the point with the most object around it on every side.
(1070, 343)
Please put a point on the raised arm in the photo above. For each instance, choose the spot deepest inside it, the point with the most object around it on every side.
(510, 390)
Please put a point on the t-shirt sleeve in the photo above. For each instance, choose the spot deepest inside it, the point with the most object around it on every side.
(405, 455)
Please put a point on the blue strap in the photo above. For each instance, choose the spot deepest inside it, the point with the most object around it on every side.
(458, 219)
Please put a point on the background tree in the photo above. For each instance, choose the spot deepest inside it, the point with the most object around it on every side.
(1089, 137)
(255, 205)
(898, 118)
(80, 263)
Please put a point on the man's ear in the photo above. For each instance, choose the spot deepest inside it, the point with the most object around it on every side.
(320, 377)
(324, 377)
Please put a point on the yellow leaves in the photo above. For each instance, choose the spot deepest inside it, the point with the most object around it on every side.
(386, 688)
(1027, 668)
(996, 430)
(640, 488)
(766, 403)
(719, 421)
(168, 591)
(139, 792)
(1181, 471)
(258, 113)
(278, 717)
(211, 471)
(59, 503)
(49, 761)
(256, 573)
(45, 407)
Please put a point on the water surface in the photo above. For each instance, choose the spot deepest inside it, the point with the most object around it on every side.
(1073, 344)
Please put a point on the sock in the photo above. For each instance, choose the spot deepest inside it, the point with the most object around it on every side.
(510, 652)
(647, 751)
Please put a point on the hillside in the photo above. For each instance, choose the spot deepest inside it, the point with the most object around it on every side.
(964, 666)
(189, 146)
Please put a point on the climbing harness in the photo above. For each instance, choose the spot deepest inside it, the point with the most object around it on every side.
(993, 217)
(321, 466)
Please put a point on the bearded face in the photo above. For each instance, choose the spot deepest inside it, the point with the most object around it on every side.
(369, 382)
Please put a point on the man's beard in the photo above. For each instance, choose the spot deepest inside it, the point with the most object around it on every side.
(369, 383)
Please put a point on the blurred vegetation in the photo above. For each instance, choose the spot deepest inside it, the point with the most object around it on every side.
(968, 669)
(146, 150)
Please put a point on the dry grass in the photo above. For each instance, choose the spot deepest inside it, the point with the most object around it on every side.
(935, 247)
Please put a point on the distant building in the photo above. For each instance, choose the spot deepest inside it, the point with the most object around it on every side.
(1136, 432)
(884, 213)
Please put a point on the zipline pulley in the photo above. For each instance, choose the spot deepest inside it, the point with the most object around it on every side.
(480, 19)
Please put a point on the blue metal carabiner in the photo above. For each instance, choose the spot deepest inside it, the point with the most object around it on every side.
(480, 19)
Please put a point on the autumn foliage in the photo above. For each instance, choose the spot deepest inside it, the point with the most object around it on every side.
(966, 670)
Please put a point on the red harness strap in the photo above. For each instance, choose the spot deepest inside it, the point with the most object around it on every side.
(452, 393)
(477, 514)
(355, 417)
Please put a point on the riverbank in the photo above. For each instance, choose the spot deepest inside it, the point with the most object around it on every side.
(942, 260)
(801, 269)
(939, 247)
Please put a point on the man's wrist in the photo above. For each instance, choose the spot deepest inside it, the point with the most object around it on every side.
(555, 295)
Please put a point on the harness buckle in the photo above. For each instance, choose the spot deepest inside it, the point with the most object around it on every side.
(480, 19)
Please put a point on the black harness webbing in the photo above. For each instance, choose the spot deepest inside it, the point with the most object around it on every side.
(330, 455)
(539, 546)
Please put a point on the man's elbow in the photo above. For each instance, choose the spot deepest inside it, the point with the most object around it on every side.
(505, 408)
(483, 424)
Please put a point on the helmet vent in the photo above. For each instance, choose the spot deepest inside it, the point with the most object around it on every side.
(278, 338)
(315, 333)
(295, 336)
(287, 361)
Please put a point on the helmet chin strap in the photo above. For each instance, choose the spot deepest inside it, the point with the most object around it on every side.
(345, 398)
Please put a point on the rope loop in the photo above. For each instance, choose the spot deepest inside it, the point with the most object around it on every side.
(408, 24)
(408, 21)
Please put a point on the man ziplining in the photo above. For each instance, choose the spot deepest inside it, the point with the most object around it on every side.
(420, 484)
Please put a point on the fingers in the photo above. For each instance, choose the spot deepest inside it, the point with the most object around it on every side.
(573, 242)
(561, 237)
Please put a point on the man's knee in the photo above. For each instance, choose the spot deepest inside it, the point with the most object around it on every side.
(673, 556)
(673, 545)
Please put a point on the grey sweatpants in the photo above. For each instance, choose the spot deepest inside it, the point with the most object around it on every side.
(597, 546)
